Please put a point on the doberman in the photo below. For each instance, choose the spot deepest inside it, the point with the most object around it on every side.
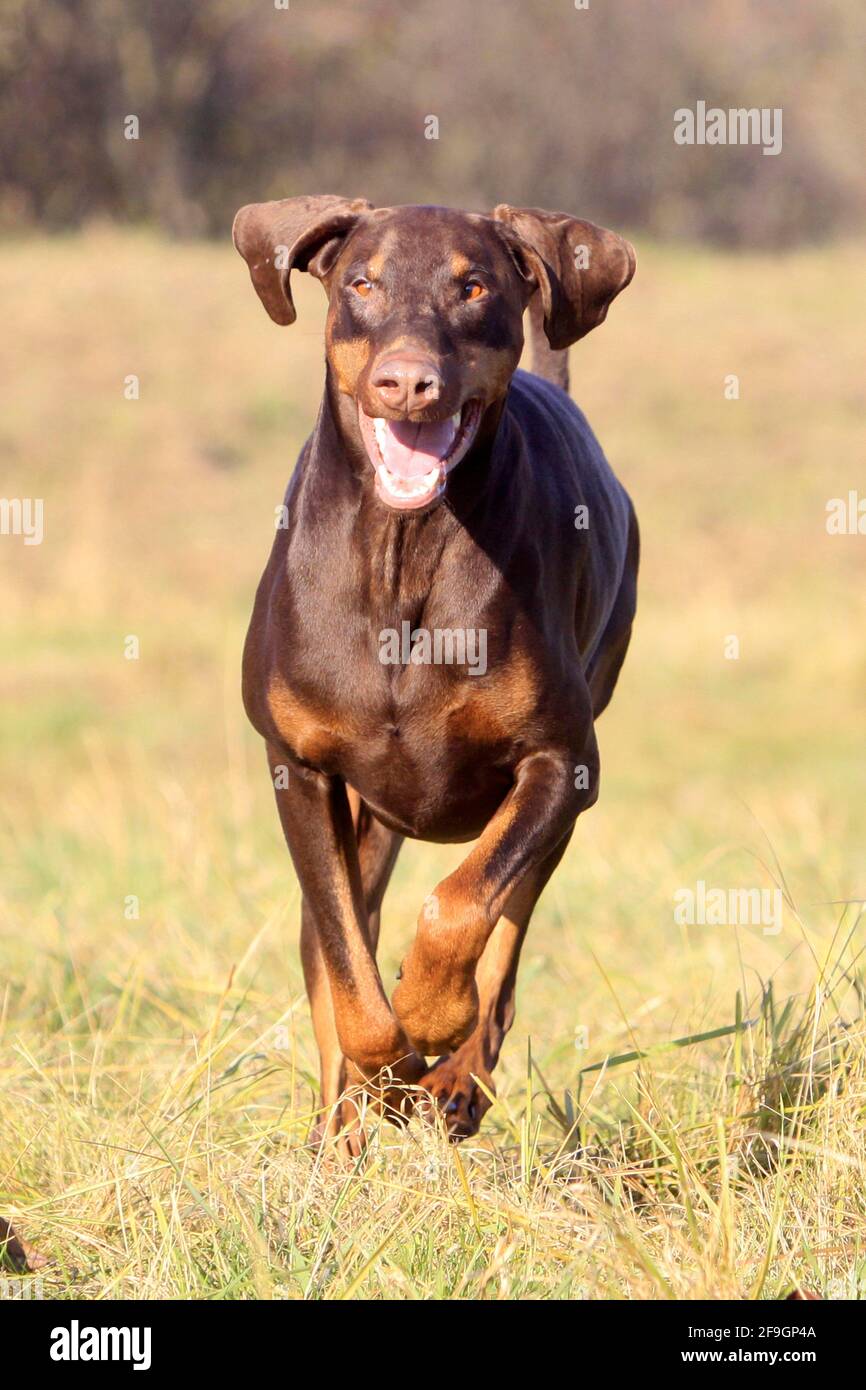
(443, 494)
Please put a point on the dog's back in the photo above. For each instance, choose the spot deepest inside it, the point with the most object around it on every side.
(589, 521)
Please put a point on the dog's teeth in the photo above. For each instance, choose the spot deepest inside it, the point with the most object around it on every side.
(455, 420)
(407, 490)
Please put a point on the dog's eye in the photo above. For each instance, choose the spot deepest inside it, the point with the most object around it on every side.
(473, 289)
(362, 286)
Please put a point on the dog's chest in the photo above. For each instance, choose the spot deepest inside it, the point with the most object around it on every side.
(428, 716)
(428, 699)
(412, 733)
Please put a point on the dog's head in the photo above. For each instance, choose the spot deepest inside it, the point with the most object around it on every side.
(425, 317)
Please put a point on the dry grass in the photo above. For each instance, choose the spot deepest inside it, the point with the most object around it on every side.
(158, 1072)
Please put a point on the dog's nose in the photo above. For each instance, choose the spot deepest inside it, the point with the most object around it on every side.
(407, 383)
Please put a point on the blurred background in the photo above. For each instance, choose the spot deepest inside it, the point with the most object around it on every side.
(155, 1041)
(538, 102)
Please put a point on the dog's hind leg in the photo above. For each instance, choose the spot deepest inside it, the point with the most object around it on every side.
(452, 1081)
(332, 1069)
(378, 848)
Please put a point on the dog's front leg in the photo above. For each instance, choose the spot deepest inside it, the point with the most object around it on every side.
(437, 998)
(317, 823)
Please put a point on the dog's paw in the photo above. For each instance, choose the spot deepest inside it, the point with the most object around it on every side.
(459, 1098)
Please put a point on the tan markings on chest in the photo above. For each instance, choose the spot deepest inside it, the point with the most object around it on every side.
(310, 732)
(503, 707)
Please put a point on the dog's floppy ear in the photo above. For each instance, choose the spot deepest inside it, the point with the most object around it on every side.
(292, 234)
(579, 268)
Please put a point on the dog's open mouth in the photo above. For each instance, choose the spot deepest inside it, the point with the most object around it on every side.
(412, 462)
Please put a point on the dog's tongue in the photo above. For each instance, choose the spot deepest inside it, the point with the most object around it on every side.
(409, 450)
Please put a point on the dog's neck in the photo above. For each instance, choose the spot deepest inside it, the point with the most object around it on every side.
(394, 557)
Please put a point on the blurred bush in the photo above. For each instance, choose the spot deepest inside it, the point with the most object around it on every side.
(538, 102)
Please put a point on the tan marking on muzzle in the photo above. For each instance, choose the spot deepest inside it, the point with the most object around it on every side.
(349, 357)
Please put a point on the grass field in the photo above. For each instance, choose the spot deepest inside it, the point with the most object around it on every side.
(158, 1070)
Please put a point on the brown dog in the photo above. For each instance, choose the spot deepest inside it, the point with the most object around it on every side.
(443, 616)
